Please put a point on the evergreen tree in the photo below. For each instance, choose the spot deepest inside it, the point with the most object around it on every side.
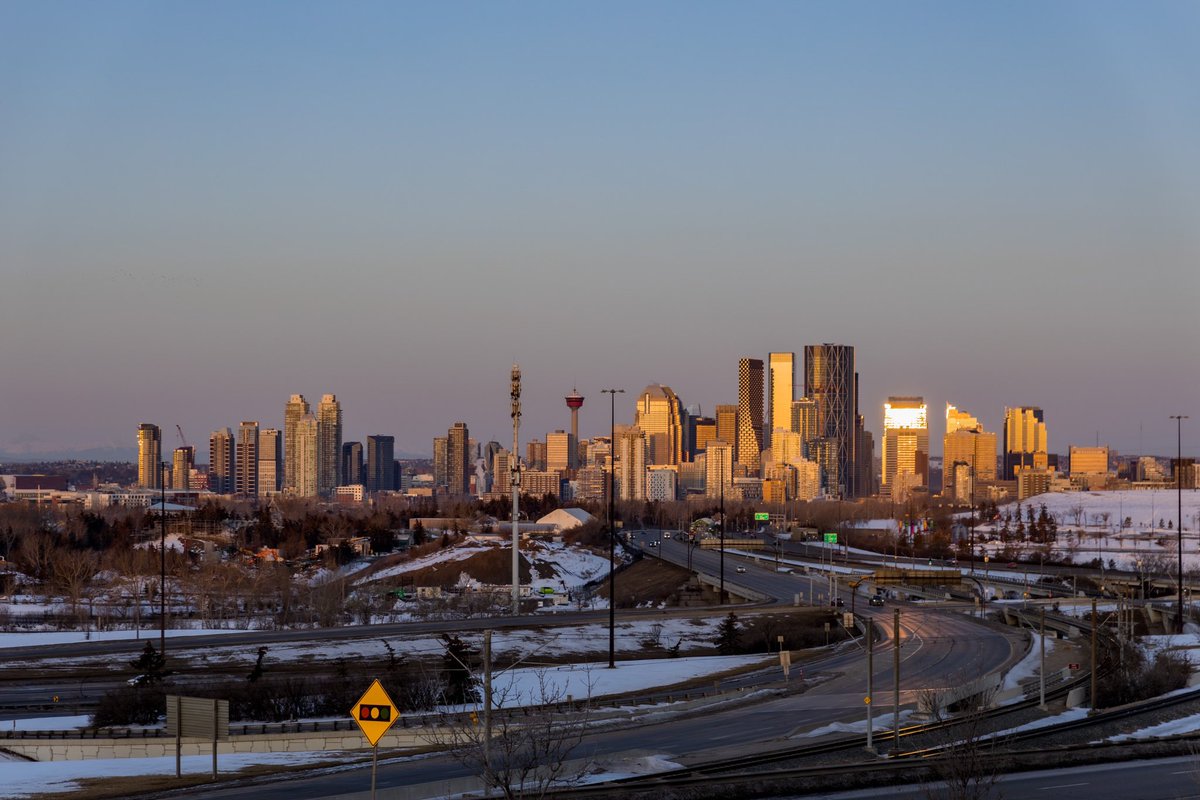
(727, 635)
(151, 666)
(458, 682)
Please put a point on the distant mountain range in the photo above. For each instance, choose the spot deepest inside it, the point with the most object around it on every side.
(123, 454)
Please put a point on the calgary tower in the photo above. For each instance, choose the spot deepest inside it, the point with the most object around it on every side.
(574, 402)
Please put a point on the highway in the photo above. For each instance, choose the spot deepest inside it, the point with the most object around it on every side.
(1158, 779)
(938, 649)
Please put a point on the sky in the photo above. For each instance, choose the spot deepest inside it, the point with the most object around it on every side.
(206, 207)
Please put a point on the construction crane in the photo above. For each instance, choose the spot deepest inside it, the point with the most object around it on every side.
(182, 438)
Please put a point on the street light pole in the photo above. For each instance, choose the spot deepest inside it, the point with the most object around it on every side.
(1179, 418)
(162, 557)
(721, 468)
(612, 530)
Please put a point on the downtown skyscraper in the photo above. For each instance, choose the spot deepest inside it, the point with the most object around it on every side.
(329, 444)
(905, 446)
(831, 382)
(781, 392)
(380, 463)
(293, 412)
(750, 414)
(221, 461)
(149, 439)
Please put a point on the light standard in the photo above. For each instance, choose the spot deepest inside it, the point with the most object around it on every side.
(162, 556)
(612, 529)
(1179, 418)
(722, 592)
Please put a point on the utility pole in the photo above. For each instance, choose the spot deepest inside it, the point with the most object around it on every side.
(1179, 418)
(1095, 624)
(487, 713)
(514, 466)
(721, 468)
(162, 556)
(1042, 668)
(870, 680)
(896, 688)
(612, 528)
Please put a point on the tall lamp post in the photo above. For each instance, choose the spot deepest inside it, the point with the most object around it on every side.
(1179, 418)
(162, 557)
(722, 469)
(612, 528)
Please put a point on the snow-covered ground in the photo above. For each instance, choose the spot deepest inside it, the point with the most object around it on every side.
(1028, 666)
(1173, 727)
(879, 723)
(21, 779)
(1186, 644)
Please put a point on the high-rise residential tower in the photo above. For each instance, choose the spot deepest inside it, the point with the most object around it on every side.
(831, 382)
(441, 461)
(221, 461)
(352, 464)
(329, 444)
(631, 463)
(727, 425)
(1025, 443)
(270, 461)
(718, 469)
(905, 446)
(293, 412)
(149, 440)
(245, 479)
(750, 414)
(307, 438)
(659, 415)
(380, 454)
(182, 464)
(458, 460)
(781, 390)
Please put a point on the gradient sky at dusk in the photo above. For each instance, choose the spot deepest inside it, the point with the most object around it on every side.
(207, 206)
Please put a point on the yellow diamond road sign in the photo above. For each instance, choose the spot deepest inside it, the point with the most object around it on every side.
(375, 712)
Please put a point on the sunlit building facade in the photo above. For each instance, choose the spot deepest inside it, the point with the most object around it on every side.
(149, 439)
(182, 464)
(329, 444)
(750, 414)
(781, 392)
(967, 450)
(293, 412)
(221, 468)
(632, 448)
(1025, 442)
(718, 469)
(659, 415)
(245, 479)
(270, 461)
(905, 446)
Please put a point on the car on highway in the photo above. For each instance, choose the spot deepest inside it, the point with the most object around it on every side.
(877, 600)
(741, 569)
(837, 602)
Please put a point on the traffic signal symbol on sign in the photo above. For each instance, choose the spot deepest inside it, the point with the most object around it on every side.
(374, 712)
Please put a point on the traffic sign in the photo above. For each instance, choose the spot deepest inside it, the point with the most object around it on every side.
(762, 516)
(867, 699)
(1072, 667)
(375, 713)
(831, 538)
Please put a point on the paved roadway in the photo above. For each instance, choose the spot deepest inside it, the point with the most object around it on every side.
(1158, 779)
(937, 649)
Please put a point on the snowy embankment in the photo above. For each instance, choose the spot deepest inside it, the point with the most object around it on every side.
(1028, 666)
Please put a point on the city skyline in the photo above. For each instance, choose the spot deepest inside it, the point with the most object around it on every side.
(207, 208)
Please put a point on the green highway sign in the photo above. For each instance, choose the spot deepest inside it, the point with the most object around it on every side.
(762, 516)
(831, 538)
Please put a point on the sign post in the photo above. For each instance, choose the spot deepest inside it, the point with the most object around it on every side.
(375, 713)
(762, 516)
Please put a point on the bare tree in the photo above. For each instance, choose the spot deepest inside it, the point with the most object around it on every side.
(533, 736)
(72, 571)
(968, 768)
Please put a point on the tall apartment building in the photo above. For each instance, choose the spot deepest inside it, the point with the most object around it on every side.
(182, 464)
(718, 469)
(149, 439)
(750, 414)
(831, 382)
(295, 410)
(458, 460)
(659, 415)
(307, 438)
(968, 456)
(329, 444)
(632, 448)
(380, 458)
(781, 391)
(441, 461)
(352, 464)
(562, 451)
(1025, 444)
(270, 461)
(905, 445)
(245, 479)
(221, 461)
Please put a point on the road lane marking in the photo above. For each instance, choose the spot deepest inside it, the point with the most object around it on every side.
(1063, 786)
